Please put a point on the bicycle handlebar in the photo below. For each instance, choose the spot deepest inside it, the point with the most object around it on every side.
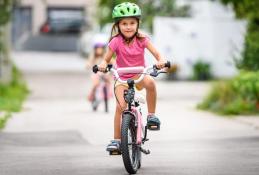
(139, 70)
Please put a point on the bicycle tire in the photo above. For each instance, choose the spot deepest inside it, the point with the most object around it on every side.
(95, 104)
(128, 132)
(105, 94)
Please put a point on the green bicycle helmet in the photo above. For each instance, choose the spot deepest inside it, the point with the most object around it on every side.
(126, 9)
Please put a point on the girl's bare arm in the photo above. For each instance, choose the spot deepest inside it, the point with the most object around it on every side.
(160, 61)
(106, 60)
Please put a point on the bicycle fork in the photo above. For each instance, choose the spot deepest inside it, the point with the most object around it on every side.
(141, 140)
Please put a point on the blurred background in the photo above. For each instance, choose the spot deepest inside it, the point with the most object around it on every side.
(195, 30)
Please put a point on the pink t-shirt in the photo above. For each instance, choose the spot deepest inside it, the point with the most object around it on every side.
(129, 55)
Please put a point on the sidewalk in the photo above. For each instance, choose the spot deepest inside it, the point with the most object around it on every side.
(249, 120)
(49, 62)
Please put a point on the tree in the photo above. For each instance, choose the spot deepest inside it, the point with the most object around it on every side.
(150, 8)
(5, 65)
(248, 9)
(5, 11)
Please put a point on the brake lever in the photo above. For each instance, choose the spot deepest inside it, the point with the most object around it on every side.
(155, 72)
(163, 72)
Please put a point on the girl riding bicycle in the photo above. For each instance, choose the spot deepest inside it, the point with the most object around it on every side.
(128, 44)
(96, 58)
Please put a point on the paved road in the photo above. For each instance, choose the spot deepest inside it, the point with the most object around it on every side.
(57, 133)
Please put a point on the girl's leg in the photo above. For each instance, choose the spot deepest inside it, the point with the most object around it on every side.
(120, 107)
(149, 84)
(95, 82)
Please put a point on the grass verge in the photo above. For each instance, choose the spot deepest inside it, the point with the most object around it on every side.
(12, 96)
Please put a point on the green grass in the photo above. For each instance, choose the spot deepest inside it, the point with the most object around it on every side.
(3, 119)
(12, 96)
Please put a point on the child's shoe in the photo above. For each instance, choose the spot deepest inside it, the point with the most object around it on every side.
(153, 123)
(114, 147)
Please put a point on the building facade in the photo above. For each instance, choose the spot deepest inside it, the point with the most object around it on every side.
(38, 10)
(211, 34)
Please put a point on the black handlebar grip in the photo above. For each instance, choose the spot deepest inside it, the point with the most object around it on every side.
(168, 64)
(109, 67)
(95, 68)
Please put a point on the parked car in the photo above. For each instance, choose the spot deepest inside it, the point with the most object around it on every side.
(64, 21)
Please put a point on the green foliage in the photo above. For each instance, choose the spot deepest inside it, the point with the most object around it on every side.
(244, 8)
(150, 8)
(5, 15)
(13, 94)
(5, 11)
(3, 118)
(201, 71)
(237, 96)
(248, 9)
(250, 55)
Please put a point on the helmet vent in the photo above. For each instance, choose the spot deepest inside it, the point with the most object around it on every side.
(122, 12)
(134, 11)
(128, 9)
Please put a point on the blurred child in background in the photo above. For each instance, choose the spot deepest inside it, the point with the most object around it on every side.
(96, 58)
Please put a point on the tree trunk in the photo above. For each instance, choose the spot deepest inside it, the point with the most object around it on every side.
(5, 62)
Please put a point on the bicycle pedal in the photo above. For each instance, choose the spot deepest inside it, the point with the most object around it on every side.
(153, 127)
(144, 140)
(114, 153)
(145, 151)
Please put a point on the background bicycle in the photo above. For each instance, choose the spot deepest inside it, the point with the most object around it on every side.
(101, 93)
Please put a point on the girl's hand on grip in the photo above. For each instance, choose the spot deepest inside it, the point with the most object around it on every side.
(102, 67)
(160, 64)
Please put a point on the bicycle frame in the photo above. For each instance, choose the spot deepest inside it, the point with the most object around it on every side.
(139, 126)
(138, 116)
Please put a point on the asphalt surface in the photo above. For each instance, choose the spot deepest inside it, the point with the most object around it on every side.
(57, 132)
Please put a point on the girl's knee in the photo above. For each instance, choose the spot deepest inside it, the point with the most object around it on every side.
(121, 108)
(150, 84)
(96, 83)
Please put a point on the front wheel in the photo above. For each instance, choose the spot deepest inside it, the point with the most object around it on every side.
(130, 150)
